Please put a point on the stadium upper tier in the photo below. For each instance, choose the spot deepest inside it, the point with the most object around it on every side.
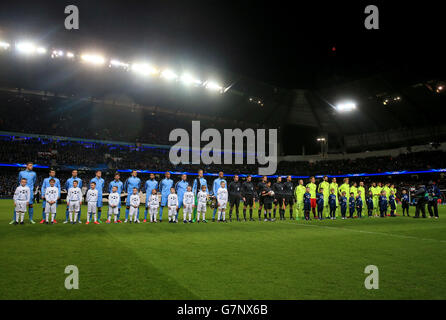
(68, 154)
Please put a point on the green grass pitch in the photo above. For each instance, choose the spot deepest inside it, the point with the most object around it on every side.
(238, 260)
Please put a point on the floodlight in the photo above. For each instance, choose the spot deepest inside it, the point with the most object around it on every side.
(57, 54)
(118, 64)
(26, 47)
(187, 79)
(321, 139)
(93, 59)
(345, 106)
(41, 50)
(169, 74)
(211, 85)
(4, 45)
(70, 55)
(144, 69)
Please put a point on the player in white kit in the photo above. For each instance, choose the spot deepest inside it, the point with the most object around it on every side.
(188, 204)
(202, 198)
(172, 204)
(22, 195)
(134, 205)
(92, 203)
(153, 205)
(51, 196)
(113, 204)
(222, 200)
(74, 200)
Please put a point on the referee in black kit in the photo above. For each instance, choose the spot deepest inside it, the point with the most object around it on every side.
(235, 195)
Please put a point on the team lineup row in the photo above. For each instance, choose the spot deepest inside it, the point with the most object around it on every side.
(325, 200)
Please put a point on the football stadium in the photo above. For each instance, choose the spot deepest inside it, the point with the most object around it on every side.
(129, 173)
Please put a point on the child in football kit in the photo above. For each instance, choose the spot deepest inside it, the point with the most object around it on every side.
(202, 198)
(359, 204)
(351, 205)
(51, 196)
(113, 204)
(405, 202)
(22, 196)
(320, 203)
(343, 204)
(153, 205)
(134, 205)
(369, 201)
(382, 204)
(92, 202)
(307, 203)
(392, 203)
(172, 204)
(74, 201)
(222, 200)
(332, 204)
(188, 204)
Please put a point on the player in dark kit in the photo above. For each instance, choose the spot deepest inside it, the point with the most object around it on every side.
(392, 204)
(288, 189)
(279, 199)
(307, 203)
(405, 202)
(249, 195)
(369, 201)
(359, 205)
(320, 203)
(432, 204)
(267, 200)
(382, 204)
(260, 186)
(351, 204)
(235, 195)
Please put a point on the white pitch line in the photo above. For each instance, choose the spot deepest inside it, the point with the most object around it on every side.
(371, 232)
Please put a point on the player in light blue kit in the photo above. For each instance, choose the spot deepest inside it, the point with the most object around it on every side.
(130, 183)
(31, 179)
(165, 186)
(100, 182)
(149, 186)
(181, 188)
(46, 184)
(215, 187)
(68, 185)
(120, 186)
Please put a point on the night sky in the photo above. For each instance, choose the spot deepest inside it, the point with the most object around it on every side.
(294, 46)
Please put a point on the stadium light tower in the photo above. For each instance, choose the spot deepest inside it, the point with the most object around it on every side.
(323, 142)
(29, 48)
(93, 59)
(4, 45)
(345, 106)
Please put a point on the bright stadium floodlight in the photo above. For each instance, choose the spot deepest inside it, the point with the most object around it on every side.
(70, 55)
(4, 45)
(26, 47)
(41, 50)
(93, 59)
(187, 79)
(321, 139)
(118, 64)
(169, 75)
(144, 69)
(345, 106)
(57, 54)
(211, 85)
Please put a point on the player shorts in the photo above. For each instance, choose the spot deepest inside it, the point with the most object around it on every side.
(112, 210)
(289, 200)
(201, 207)
(50, 208)
(74, 206)
(278, 200)
(20, 206)
(234, 200)
(261, 200)
(91, 207)
(222, 205)
(164, 200)
(188, 208)
(153, 210)
(268, 205)
(172, 210)
(313, 203)
(99, 203)
(249, 201)
(133, 210)
(180, 200)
